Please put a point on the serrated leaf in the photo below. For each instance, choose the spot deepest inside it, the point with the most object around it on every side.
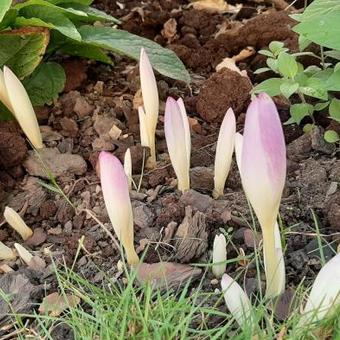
(23, 49)
(314, 88)
(334, 109)
(300, 111)
(288, 88)
(49, 16)
(163, 60)
(86, 51)
(4, 7)
(331, 136)
(287, 65)
(45, 83)
(270, 86)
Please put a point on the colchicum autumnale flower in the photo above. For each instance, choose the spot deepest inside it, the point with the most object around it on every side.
(177, 133)
(148, 114)
(117, 201)
(14, 96)
(236, 300)
(224, 152)
(263, 173)
(128, 166)
(219, 255)
(6, 253)
(17, 223)
(325, 294)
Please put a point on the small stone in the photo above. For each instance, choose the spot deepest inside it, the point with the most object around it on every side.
(300, 148)
(143, 215)
(82, 108)
(214, 282)
(103, 143)
(68, 227)
(196, 200)
(55, 231)
(115, 132)
(103, 124)
(69, 127)
(99, 87)
(202, 178)
(49, 135)
(59, 164)
(39, 236)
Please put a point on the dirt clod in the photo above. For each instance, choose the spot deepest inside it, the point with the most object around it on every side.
(12, 149)
(223, 90)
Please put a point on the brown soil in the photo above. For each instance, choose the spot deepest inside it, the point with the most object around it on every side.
(99, 97)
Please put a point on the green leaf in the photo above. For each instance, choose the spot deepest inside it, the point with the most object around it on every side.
(303, 42)
(92, 13)
(266, 53)
(262, 70)
(45, 83)
(308, 128)
(334, 109)
(51, 17)
(314, 88)
(23, 49)
(323, 29)
(5, 114)
(81, 2)
(8, 19)
(288, 88)
(333, 54)
(300, 111)
(276, 46)
(23, 22)
(272, 64)
(333, 82)
(320, 106)
(86, 51)
(4, 7)
(287, 65)
(163, 60)
(270, 86)
(331, 136)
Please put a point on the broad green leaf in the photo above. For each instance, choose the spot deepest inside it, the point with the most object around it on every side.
(333, 82)
(300, 111)
(288, 88)
(314, 88)
(276, 46)
(287, 65)
(4, 7)
(323, 29)
(93, 14)
(266, 53)
(319, 7)
(272, 64)
(270, 86)
(81, 2)
(45, 83)
(8, 19)
(23, 49)
(334, 109)
(49, 16)
(331, 136)
(163, 60)
(86, 51)
(24, 22)
(303, 42)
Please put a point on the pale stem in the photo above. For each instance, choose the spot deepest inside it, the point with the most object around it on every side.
(271, 262)
(184, 184)
(151, 161)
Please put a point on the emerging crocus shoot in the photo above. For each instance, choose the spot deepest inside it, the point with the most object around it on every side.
(117, 201)
(219, 255)
(17, 223)
(263, 173)
(177, 133)
(325, 294)
(236, 300)
(148, 114)
(14, 96)
(224, 152)
(128, 167)
(6, 253)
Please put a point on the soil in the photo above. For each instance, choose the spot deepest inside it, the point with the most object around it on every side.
(98, 105)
